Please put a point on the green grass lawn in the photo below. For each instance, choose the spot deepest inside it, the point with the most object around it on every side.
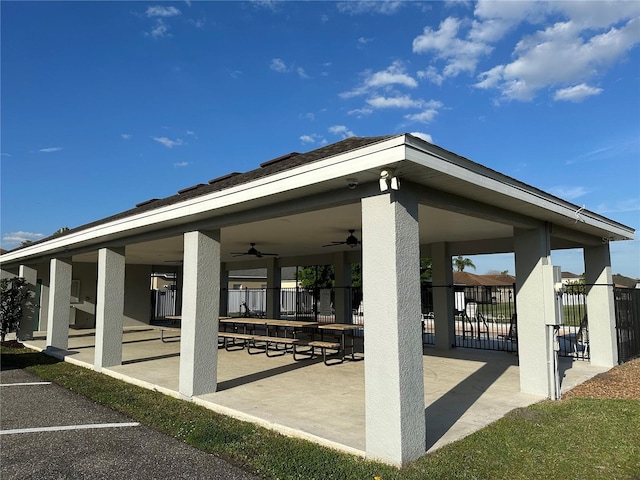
(574, 439)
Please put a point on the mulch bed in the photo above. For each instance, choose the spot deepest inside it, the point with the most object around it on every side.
(622, 381)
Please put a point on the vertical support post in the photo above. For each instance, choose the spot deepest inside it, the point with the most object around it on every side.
(342, 305)
(200, 306)
(603, 344)
(109, 307)
(394, 381)
(443, 304)
(59, 303)
(29, 310)
(532, 253)
(274, 281)
(224, 290)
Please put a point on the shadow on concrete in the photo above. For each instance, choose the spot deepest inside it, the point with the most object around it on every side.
(148, 359)
(443, 414)
(254, 377)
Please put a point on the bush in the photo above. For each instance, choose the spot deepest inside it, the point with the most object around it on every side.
(13, 293)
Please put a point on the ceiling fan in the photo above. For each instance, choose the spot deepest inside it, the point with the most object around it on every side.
(351, 241)
(253, 251)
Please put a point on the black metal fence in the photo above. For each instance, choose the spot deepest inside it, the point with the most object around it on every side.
(485, 316)
(627, 301)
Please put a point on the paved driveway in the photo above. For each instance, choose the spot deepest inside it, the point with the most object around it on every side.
(95, 443)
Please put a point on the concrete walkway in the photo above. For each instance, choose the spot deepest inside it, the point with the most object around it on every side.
(465, 389)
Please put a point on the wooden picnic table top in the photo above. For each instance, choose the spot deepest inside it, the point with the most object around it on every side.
(340, 326)
(272, 322)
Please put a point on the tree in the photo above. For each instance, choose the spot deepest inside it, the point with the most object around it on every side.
(13, 293)
(60, 231)
(460, 263)
(426, 272)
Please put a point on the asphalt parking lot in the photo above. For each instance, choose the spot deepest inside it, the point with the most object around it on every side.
(48, 432)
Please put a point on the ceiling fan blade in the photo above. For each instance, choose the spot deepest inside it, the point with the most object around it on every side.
(333, 244)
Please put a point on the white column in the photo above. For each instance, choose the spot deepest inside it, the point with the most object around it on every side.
(443, 303)
(200, 305)
(109, 308)
(274, 282)
(532, 251)
(342, 305)
(394, 382)
(29, 310)
(601, 313)
(59, 303)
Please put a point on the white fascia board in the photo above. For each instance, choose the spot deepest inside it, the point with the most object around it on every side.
(488, 180)
(372, 156)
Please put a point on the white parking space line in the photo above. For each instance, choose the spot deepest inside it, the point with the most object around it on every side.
(68, 427)
(23, 384)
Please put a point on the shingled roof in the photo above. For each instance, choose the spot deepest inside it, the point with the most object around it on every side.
(269, 167)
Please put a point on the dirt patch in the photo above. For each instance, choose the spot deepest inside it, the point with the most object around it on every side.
(12, 344)
(622, 381)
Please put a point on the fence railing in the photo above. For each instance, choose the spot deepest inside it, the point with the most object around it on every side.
(485, 316)
(627, 301)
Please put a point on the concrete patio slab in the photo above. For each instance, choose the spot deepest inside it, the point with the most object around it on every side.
(465, 389)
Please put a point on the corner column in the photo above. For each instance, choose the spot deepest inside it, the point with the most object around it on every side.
(29, 310)
(394, 381)
(109, 307)
(59, 303)
(200, 306)
(532, 252)
(601, 310)
(443, 304)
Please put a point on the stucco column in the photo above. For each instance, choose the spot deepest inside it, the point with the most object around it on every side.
(394, 382)
(274, 282)
(200, 305)
(109, 307)
(342, 304)
(59, 303)
(224, 290)
(443, 304)
(532, 252)
(29, 310)
(601, 313)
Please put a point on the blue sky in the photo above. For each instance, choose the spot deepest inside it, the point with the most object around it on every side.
(107, 104)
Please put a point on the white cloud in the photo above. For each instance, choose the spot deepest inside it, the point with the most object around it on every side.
(50, 149)
(180, 164)
(161, 11)
(341, 130)
(394, 102)
(313, 138)
(629, 205)
(14, 239)
(425, 116)
(576, 93)
(302, 73)
(125, 136)
(278, 65)
(357, 7)
(394, 75)
(168, 142)
(460, 55)
(362, 41)
(160, 30)
(190, 132)
(431, 74)
(307, 139)
(568, 193)
(6, 154)
(567, 53)
(424, 136)
(360, 112)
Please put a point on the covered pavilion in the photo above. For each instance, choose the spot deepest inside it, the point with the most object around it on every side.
(403, 197)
